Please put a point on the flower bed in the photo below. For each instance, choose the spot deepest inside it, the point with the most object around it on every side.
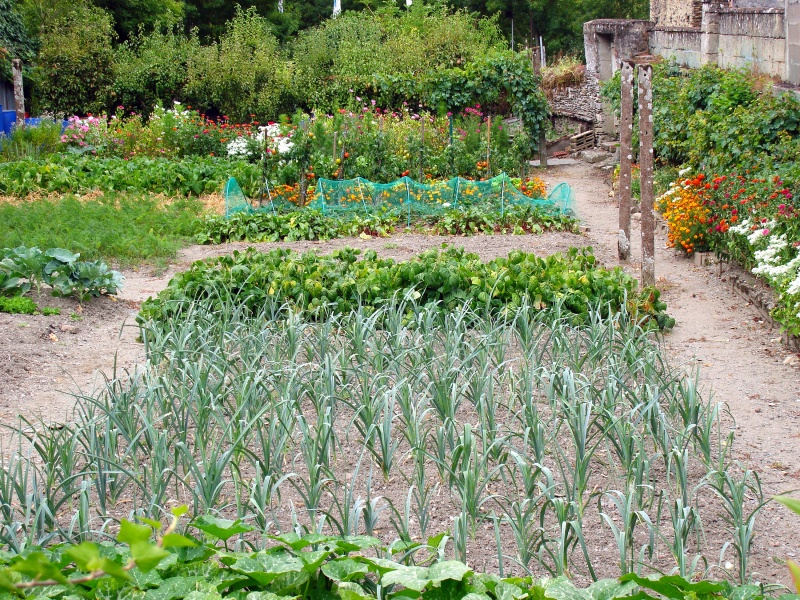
(754, 221)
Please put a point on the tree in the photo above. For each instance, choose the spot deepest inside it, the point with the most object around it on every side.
(131, 15)
(74, 69)
(14, 39)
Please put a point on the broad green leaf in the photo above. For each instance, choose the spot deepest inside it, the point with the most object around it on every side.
(379, 565)
(265, 568)
(508, 591)
(264, 596)
(562, 588)
(313, 560)
(204, 595)
(62, 255)
(221, 529)
(173, 588)
(179, 511)
(344, 569)
(413, 578)
(85, 555)
(38, 567)
(352, 591)
(449, 569)
(115, 570)
(607, 589)
(156, 525)
(361, 542)
(745, 592)
(147, 555)
(291, 539)
(673, 586)
(7, 585)
(176, 540)
(130, 533)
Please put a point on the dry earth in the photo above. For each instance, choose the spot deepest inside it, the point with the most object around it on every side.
(45, 359)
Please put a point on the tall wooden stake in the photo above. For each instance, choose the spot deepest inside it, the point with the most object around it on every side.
(19, 97)
(646, 171)
(625, 160)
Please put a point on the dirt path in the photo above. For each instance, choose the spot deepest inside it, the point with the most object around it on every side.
(741, 360)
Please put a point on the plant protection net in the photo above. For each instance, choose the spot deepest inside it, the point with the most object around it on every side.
(336, 196)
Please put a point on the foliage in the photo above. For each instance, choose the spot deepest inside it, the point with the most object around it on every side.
(311, 224)
(195, 564)
(15, 42)
(130, 16)
(340, 282)
(18, 305)
(74, 69)
(125, 228)
(292, 226)
(384, 146)
(59, 269)
(31, 142)
(241, 75)
(73, 173)
(740, 142)
(150, 69)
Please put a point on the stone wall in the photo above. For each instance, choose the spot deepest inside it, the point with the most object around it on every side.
(753, 38)
(683, 44)
(673, 13)
(577, 102)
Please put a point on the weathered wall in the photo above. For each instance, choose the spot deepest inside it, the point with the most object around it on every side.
(751, 38)
(674, 13)
(754, 39)
(577, 102)
(683, 44)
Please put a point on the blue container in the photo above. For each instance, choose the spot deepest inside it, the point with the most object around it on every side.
(9, 118)
(64, 125)
(33, 122)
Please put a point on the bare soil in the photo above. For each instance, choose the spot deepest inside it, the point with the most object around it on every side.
(45, 360)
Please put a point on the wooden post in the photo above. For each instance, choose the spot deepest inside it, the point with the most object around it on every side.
(19, 97)
(625, 160)
(646, 171)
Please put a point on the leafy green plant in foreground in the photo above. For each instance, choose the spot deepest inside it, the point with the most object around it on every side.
(23, 268)
(343, 280)
(356, 567)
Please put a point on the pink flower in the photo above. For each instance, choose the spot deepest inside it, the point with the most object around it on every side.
(765, 232)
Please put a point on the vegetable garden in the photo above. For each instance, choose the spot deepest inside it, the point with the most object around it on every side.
(344, 425)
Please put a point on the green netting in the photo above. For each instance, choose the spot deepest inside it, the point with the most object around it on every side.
(334, 196)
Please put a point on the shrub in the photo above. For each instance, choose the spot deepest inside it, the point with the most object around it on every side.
(241, 75)
(152, 69)
(74, 71)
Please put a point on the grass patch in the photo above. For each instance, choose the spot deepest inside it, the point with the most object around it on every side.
(127, 229)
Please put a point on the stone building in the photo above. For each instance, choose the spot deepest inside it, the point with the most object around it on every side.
(761, 35)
